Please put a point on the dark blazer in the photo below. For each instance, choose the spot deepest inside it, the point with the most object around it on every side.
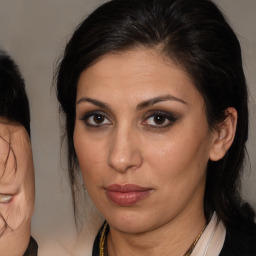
(32, 248)
(238, 242)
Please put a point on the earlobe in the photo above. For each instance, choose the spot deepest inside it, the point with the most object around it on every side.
(224, 135)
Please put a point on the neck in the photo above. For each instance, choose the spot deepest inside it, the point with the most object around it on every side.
(173, 238)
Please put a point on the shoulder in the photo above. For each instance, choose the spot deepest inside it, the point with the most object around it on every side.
(240, 240)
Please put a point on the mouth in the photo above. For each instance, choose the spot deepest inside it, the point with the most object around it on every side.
(5, 198)
(126, 195)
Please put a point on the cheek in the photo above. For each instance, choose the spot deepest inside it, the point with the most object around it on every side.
(179, 161)
(92, 157)
(176, 154)
(17, 179)
(2, 225)
(12, 213)
(29, 190)
(178, 171)
(7, 164)
(20, 209)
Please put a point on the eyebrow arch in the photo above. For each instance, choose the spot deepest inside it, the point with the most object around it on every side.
(155, 100)
(94, 102)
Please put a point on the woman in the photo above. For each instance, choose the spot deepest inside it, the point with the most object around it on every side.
(16, 164)
(155, 101)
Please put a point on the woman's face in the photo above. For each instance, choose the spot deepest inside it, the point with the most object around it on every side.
(142, 140)
(16, 177)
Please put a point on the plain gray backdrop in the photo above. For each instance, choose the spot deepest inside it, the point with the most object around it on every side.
(34, 33)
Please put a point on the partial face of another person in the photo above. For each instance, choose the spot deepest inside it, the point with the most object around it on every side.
(142, 140)
(16, 177)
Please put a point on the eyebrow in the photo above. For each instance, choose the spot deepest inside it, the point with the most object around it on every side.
(94, 102)
(140, 106)
(158, 99)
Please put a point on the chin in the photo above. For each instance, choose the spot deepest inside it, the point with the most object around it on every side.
(130, 222)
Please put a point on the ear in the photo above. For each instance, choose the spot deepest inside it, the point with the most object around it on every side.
(224, 135)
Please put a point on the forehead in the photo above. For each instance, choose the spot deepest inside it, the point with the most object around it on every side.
(141, 72)
(138, 61)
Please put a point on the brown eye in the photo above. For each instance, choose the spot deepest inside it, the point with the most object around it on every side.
(98, 118)
(158, 119)
(95, 119)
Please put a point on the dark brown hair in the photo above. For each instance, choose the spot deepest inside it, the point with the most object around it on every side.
(197, 37)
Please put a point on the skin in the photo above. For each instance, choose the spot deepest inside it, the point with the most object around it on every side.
(128, 146)
(17, 184)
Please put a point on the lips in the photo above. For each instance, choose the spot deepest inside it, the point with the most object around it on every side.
(126, 195)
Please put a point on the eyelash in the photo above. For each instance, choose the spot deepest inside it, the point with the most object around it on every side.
(89, 115)
(169, 118)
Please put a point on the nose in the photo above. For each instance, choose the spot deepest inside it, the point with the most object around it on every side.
(124, 153)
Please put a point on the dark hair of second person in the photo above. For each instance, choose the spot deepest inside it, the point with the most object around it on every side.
(14, 103)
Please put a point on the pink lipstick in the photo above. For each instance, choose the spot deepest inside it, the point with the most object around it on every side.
(125, 195)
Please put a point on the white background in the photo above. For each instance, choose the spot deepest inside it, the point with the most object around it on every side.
(34, 33)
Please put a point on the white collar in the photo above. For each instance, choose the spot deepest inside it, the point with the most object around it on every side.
(212, 239)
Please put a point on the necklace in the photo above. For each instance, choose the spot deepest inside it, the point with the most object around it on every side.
(104, 235)
(103, 239)
(191, 248)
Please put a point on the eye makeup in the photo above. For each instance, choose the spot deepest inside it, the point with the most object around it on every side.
(96, 119)
(159, 119)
